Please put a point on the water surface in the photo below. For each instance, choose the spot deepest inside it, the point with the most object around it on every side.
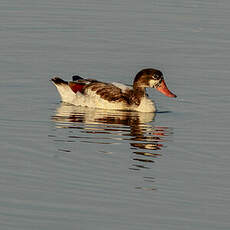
(67, 167)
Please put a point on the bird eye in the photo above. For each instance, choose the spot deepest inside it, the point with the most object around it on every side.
(156, 77)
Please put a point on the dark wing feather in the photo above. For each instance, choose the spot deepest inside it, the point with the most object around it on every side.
(106, 91)
(78, 84)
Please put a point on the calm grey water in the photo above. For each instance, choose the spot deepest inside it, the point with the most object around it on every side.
(65, 167)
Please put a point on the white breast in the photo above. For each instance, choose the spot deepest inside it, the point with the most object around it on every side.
(146, 105)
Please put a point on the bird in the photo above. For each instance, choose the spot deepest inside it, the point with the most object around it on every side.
(117, 96)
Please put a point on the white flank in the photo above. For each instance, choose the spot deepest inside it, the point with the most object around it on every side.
(121, 86)
(91, 99)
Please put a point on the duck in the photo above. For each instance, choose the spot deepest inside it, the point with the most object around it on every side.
(116, 96)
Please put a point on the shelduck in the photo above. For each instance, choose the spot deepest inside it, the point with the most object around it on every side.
(97, 94)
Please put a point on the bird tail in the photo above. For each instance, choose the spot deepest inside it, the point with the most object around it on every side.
(64, 89)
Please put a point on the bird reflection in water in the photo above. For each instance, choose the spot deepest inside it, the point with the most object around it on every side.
(136, 128)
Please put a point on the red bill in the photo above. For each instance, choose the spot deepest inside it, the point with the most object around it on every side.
(164, 89)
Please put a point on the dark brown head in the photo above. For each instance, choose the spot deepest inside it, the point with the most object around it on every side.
(152, 78)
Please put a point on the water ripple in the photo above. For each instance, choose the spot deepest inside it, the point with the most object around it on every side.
(109, 127)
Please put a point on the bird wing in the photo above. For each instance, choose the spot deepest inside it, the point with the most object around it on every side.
(106, 91)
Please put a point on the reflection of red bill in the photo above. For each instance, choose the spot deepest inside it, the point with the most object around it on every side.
(164, 89)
